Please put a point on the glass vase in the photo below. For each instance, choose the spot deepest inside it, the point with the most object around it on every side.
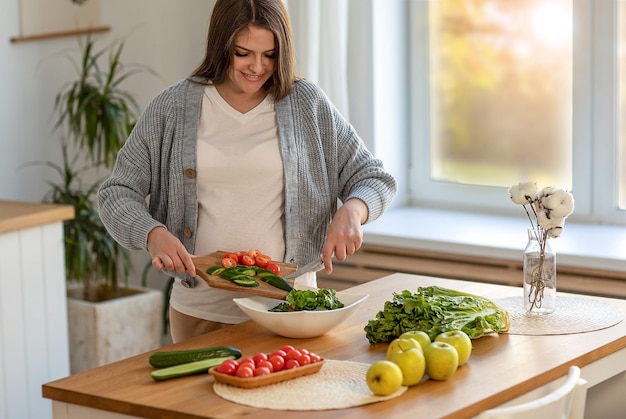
(539, 274)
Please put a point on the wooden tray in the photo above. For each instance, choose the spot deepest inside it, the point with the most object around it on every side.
(264, 380)
(264, 289)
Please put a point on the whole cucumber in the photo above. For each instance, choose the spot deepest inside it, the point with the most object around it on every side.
(172, 358)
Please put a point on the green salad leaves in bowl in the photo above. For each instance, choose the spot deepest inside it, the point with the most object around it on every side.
(304, 313)
(309, 299)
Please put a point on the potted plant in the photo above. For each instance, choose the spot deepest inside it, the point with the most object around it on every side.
(95, 116)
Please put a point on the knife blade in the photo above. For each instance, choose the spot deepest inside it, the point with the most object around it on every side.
(316, 265)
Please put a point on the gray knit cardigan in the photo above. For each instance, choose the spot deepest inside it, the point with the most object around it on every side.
(153, 182)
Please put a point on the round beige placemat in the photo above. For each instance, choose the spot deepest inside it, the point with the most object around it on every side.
(338, 385)
(572, 315)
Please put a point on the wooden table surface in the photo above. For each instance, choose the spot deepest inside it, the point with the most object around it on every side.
(501, 367)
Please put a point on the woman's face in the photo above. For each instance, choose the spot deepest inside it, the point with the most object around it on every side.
(253, 61)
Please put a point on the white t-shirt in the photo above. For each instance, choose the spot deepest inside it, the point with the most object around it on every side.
(240, 197)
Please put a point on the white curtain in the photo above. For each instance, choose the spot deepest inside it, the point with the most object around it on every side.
(320, 30)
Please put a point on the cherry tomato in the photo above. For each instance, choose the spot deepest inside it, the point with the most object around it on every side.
(278, 352)
(304, 359)
(228, 367)
(293, 354)
(248, 361)
(292, 363)
(266, 364)
(261, 371)
(304, 351)
(247, 260)
(278, 362)
(286, 349)
(314, 357)
(258, 357)
(273, 267)
(228, 262)
(262, 260)
(245, 371)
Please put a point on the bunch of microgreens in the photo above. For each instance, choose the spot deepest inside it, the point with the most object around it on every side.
(547, 210)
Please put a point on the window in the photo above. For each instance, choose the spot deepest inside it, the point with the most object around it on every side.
(622, 106)
(507, 91)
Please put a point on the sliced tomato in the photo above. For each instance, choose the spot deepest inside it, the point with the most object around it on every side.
(262, 260)
(247, 260)
(241, 254)
(231, 255)
(229, 262)
(273, 267)
(254, 253)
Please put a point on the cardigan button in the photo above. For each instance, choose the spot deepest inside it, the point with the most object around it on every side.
(187, 232)
(191, 174)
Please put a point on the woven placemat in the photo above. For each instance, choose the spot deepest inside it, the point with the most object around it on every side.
(338, 385)
(572, 315)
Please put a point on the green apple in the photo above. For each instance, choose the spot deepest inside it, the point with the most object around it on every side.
(400, 345)
(442, 360)
(383, 378)
(419, 335)
(412, 363)
(461, 342)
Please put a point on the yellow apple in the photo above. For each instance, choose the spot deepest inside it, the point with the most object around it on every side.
(400, 345)
(383, 378)
(419, 335)
(461, 342)
(412, 363)
(442, 360)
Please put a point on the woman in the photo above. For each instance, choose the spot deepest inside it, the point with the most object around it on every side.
(241, 155)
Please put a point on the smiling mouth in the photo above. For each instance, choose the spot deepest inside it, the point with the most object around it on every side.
(252, 77)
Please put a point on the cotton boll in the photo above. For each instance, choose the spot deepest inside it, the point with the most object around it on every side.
(523, 193)
(560, 203)
(555, 232)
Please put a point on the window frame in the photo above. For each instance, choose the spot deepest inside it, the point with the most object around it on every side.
(594, 116)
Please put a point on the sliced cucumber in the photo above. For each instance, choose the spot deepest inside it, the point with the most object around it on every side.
(246, 282)
(215, 270)
(190, 368)
(274, 280)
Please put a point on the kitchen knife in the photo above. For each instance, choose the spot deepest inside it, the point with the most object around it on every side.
(316, 265)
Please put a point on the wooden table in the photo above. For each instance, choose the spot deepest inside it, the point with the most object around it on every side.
(502, 367)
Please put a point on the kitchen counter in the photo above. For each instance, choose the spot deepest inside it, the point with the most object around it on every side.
(33, 310)
(501, 368)
(20, 215)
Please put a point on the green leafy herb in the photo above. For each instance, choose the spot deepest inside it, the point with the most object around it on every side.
(435, 310)
(309, 300)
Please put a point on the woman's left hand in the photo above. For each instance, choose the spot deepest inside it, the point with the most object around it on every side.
(345, 233)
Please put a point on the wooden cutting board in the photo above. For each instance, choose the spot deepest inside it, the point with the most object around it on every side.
(264, 289)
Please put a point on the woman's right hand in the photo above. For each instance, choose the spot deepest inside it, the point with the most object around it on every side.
(169, 253)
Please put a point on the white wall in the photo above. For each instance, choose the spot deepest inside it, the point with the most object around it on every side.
(166, 35)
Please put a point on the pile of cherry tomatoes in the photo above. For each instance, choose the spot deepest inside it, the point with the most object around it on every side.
(285, 358)
(249, 258)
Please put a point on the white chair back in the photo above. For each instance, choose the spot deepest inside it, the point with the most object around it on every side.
(566, 402)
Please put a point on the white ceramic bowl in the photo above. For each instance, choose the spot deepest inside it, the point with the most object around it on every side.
(299, 324)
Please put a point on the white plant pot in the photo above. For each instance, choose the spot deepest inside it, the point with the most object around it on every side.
(109, 331)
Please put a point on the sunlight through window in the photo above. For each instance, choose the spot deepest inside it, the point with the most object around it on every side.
(501, 92)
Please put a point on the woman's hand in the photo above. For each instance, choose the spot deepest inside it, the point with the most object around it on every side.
(345, 233)
(169, 253)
